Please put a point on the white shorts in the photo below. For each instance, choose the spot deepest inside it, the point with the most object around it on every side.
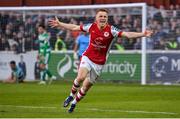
(94, 69)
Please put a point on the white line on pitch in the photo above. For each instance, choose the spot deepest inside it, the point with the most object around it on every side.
(128, 111)
(95, 109)
(21, 106)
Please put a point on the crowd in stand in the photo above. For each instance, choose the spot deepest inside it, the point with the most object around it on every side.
(166, 25)
(19, 33)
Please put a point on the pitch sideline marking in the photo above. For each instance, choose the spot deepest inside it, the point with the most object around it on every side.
(128, 111)
(96, 109)
(21, 106)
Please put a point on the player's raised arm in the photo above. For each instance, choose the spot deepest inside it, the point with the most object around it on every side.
(56, 23)
(147, 33)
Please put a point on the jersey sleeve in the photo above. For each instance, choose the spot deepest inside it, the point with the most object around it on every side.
(85, 27)
(116, 32)
(77, 40)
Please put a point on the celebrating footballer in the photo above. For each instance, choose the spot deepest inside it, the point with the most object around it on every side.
(93, 59)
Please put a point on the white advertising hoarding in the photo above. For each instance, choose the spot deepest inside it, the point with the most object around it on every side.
(29, 58)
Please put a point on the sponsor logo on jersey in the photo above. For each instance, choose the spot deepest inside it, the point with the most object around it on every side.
(98, 43)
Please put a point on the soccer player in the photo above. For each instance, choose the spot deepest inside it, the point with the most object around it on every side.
(22, 65)
(94, 58)
(17, 75)
(81, 45)
(44, 54)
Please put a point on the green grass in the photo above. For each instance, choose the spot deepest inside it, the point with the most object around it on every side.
(103, 100)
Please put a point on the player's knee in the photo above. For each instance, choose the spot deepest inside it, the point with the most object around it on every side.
(85, 89)
(80, 78)
(42, 66)
(86, 86)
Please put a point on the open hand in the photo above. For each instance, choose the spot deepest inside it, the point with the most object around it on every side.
(148, 33)
(54, 22)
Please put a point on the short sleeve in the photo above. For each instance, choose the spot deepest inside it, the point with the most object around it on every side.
(116, 32)
(85, 27)
(77, 40)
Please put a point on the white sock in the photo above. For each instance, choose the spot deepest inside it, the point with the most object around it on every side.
(74, 101)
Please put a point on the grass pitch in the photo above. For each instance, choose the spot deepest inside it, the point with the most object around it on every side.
(102, 101)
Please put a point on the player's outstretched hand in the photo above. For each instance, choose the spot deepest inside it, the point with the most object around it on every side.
(54, 22)
(148, 33)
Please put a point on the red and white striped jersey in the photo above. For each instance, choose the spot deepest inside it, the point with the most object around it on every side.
(100, 41)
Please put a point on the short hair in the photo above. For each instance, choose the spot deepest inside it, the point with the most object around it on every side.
(13, 62)
(102, 10)
(42, 26)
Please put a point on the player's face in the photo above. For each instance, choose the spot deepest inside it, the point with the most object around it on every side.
(101, 19)
(40, 30)
(13, 67)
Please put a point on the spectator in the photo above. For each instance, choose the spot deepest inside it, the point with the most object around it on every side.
(137, 45)
(4, 45)
(162, 20)
(60, 45)
(118, 45)
(22, 65)
(178, 35)
(28, 42)
(163, 11)
(20, 40)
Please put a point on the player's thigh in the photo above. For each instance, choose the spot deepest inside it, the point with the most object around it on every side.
(42, 66)
(82, 73)
(47, 58)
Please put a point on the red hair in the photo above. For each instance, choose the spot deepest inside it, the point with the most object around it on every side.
(102, 10)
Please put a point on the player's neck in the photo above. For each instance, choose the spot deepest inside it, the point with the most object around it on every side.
(43, 32)
(101, 27)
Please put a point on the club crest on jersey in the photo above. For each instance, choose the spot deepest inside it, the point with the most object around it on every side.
(106, 34)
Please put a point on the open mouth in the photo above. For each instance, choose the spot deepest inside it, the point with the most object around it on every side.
(102, 21)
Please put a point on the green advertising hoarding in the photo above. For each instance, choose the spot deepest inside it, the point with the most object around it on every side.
(120, 66)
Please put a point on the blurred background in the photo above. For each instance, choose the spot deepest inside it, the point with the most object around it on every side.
(15, 29)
